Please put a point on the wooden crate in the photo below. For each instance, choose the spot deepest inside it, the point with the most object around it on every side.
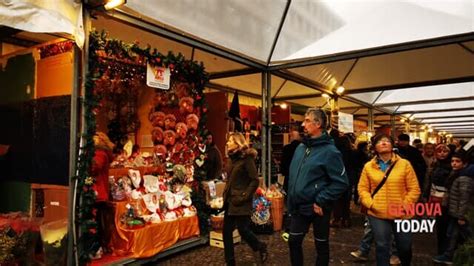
(216, 238)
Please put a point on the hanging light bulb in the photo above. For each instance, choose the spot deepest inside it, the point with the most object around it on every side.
(340, 90)
(284, 106)
(325, 95)
(111, 4)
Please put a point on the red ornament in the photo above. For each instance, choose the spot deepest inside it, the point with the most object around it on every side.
(171, 66)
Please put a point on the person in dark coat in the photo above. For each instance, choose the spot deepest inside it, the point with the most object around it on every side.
(359, 158)
(238, 197)
(437, 192)
(288, 151)
(214, 159)
(413, 155)
(317, 179)
(341, 215)
(461, 188)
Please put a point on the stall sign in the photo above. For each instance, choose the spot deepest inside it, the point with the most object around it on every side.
(346, 122)
(158, 77)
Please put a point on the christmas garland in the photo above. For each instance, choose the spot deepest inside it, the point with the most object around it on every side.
(56, 48)
(128, 61)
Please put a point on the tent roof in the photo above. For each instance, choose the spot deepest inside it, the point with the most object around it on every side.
(411, 58)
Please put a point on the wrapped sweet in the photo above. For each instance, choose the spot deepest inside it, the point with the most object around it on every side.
(186, 105)
(169, 137)
(192, 121)
(181, 130)
(157, 119)
(170, 121)
(157, 135)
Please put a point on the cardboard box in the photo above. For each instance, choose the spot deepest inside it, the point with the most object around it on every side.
(220, 186)
(216, 238)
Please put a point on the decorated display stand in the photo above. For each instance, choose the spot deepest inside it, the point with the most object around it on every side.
(157, 200)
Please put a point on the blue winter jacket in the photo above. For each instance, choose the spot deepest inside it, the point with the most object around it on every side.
(317, 175)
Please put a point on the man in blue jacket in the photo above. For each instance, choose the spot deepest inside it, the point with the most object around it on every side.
(317, 179)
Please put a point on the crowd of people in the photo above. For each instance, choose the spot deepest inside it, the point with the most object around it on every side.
(329, 171)
(325, 171)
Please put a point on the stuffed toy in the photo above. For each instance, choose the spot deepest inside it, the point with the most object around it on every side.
(190, 172)
(186, 105)
(135, 177)
(189, 211)
(181, 130)
(160, 151)
(151, 183)
(157, 119)
(136, 194)
(192, 121)
(157, 135)
(170, 121)
(169, 137)
(179, 172)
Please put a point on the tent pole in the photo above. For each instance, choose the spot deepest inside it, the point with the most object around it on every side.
(71, 251)
(73, 157)
(81, 64)
(268, 84)
(264, 154)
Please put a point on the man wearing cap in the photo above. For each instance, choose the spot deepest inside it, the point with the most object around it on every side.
(413, 155)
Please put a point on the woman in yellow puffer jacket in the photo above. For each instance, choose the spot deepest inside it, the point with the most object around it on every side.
(401, 188)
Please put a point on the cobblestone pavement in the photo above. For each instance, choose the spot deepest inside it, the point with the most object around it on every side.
(342, 242)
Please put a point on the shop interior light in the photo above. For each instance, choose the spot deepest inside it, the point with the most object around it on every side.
(325, 95)
(284, 106)
(402, 120)
(430, 130)
(111, 4)
(340, 90)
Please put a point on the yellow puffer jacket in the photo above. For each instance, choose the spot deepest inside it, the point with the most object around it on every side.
(400, 189)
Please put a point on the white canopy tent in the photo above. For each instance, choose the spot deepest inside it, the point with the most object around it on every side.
(379, 50)
(383, 52)
(412, 58)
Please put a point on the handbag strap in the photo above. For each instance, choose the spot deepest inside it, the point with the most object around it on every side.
(380, 185)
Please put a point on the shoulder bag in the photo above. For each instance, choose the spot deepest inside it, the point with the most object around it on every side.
(364, 209)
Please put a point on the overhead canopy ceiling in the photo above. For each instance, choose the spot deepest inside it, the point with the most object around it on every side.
(411, 58)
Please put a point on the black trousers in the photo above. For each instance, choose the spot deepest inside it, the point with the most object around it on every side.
(442, 223)
(243, 225)
(299, 227)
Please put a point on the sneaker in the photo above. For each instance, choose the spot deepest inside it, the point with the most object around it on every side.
(285, 236)
(394, 260)
(359, 255)
(443, 259)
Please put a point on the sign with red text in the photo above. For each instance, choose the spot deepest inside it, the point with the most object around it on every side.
(158, 77)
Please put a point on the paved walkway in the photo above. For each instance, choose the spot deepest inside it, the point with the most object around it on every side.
(342, 242)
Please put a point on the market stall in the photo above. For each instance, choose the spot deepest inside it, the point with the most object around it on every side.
(155, 179)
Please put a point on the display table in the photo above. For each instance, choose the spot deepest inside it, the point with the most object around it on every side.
(151, 239)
